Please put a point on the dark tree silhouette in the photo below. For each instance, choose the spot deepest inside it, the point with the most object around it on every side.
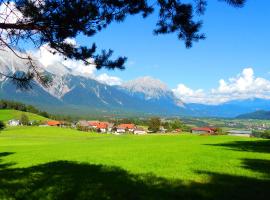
(53, 21)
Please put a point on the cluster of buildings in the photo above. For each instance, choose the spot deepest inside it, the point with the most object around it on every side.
(102, 127)
(213, 131)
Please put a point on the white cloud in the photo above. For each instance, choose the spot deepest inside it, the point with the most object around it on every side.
(58, 64)
(9, 13)
(188, 95)
(109, 80)
(243, 86)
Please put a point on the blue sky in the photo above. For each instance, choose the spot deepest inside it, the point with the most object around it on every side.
(231, 64)
(236, 39)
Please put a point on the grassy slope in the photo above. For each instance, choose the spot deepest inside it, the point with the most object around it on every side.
(203, 166)
(6, 115)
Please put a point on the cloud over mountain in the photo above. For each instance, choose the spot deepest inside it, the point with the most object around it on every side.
(243, 86)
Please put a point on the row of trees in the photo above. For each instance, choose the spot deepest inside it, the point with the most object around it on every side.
(262, 134)
(155, 125)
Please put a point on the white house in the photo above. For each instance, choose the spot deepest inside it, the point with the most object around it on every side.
(120, 130)
(14, 122)
(139, 131)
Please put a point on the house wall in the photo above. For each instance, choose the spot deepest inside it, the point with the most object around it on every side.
(199, 132)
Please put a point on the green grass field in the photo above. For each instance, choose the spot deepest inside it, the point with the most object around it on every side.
(6, 115)
(55, 163)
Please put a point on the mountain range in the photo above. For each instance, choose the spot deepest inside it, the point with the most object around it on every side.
(76, 94)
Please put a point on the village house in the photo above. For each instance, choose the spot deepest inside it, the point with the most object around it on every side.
(110, 127)
(122, 128)
(139, 131)
(14, 122)
(93, 124)
(203, 130)
(102, 127)
(54, 123)
(82, 123)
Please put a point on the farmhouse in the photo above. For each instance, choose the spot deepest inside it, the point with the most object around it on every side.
(54, 123)
(139, 131)
(125, 127)
(14, 122)
(203, 130)
(102, 127)
(93, 124)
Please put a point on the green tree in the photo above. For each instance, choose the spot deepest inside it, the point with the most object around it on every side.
(219, 131)
(266, 134)
(154, 124)
(2, 125)
(24, 119)
(177, 124)
(52, 22)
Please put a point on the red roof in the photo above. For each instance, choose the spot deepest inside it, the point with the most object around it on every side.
(98, 124)
(93, 123)
(126, 126)
(53, 123)
(207, 129)
(102, 125)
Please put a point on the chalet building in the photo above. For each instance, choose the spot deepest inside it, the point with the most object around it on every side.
(203, 130)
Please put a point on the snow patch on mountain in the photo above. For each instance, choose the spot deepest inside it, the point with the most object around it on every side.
(150, 87)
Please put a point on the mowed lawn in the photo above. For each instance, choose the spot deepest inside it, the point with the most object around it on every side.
(55, 163)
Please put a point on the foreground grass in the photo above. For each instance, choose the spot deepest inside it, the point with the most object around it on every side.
(54, 163)
(7, 114)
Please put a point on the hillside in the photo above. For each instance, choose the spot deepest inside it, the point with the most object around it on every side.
(6, 115)
(261, 114)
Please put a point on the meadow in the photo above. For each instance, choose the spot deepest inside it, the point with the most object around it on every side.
(6, 114)
(55, 163)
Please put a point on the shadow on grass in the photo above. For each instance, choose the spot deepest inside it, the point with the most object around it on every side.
(261, 146)
(258, 165)
(70, 180)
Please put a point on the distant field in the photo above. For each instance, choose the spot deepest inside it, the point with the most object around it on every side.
(6, 115)
(55, 163)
